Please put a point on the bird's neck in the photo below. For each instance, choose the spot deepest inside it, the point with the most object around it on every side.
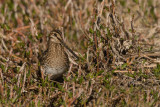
(53, 47)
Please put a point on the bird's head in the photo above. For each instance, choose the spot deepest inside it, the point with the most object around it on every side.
(56, 36)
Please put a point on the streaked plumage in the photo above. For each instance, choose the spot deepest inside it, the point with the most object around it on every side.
(54, 61)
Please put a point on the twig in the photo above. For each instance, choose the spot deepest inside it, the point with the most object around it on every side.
(4, 45)
(17, 57)
(1, 76)
(25, 27)
(69, 71)
(123, 71)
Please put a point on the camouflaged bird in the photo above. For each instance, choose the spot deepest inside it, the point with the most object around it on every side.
(54, 62)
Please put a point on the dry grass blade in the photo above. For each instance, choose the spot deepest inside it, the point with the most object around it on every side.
(20, 73)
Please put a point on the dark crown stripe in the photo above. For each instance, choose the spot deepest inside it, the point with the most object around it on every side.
(56, 31)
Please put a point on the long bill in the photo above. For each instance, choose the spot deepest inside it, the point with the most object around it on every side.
(67, 47)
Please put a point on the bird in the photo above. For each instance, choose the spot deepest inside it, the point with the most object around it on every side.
(54, 61)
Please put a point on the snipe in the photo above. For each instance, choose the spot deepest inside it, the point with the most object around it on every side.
(54, 61)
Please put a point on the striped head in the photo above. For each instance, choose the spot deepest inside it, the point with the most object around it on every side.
(55, 36)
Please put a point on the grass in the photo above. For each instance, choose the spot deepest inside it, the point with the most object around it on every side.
(117, 42)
